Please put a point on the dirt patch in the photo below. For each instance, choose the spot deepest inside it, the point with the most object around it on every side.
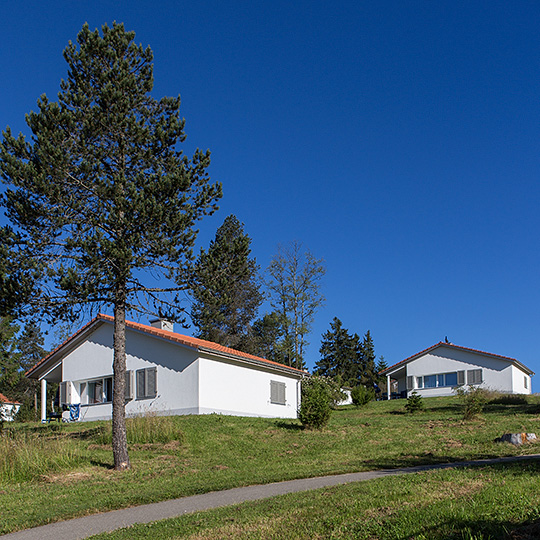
(66, 478)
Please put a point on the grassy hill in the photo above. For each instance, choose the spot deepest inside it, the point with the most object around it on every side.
(50, 473)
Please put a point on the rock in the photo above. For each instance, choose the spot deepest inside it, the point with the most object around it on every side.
(517, 438)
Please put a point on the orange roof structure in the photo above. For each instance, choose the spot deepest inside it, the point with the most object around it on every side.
(4, 399)
(188, 341)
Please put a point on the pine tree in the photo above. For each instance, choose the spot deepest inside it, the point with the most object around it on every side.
(266, 338)
(226, 287)
(101, 196)
(369, 375)
(338, 354)
(10, 373)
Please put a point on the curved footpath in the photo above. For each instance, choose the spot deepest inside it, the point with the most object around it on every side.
(84, 527)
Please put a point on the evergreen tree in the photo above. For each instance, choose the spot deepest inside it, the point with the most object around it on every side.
(226, 287)
(338, 354)
(294, 286)
(266, 338)
(10, 374)
(101, 196)
(369, 375)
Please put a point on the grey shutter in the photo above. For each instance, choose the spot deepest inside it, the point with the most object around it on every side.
(63, 392)
(140, 383)
(151, 382)
(281, 393)
(410, 382)
(128, 392)
(461, 378)
(474, 376)
(273, 392)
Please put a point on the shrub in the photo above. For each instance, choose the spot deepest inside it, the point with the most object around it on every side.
(315, 407)
(361, 395)
(473, 399)
(414, 403)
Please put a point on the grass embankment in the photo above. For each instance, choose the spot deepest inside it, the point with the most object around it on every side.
(206, 453)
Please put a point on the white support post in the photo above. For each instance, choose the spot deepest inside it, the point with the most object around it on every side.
(43, 400)
(388, 388)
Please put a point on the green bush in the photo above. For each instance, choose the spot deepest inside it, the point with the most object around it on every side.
(361, 395)
(414, 403)
(473, 400)
(315, 407)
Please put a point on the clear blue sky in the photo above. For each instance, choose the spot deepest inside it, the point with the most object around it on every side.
(397, 140)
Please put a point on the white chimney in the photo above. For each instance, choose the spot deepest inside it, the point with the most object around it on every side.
(162, 324)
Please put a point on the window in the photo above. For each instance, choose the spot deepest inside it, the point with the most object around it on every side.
(525, 382)
(450, 379)
(146, 383)
(410, 382)
(430, 381)
(460, 378)
(99, 391)
(419, 382)
(277, 393)
(474, 376)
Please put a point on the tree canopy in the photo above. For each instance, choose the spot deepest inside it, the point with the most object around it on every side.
(101, 196)
(226, 288)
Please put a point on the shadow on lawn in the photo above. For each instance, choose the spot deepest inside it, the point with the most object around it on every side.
(479, 529)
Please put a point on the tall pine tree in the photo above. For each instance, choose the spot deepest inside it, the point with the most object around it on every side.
(339, 358)
(369, 376)
(226, 288)
(101, 198)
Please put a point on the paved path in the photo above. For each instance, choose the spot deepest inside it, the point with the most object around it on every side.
(84, 527)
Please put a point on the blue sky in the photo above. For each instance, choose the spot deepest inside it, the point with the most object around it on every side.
(397, 140)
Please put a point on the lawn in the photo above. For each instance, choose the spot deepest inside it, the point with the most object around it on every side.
(57, 472)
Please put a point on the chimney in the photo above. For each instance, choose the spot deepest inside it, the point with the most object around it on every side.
(162, 324)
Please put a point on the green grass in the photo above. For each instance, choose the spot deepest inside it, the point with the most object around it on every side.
(484, 503)
(213, 452)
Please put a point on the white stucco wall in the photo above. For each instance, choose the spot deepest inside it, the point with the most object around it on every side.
(186, 384)
(229, 388)
(497, 374)
(8, 411)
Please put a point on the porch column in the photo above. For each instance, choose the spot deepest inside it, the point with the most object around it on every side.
(43, 400)
(388, 388)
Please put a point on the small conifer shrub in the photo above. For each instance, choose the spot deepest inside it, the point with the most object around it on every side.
(361, 395)
(315, 407)
(414, 403)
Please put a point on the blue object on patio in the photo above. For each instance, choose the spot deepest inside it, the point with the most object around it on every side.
(74, 412)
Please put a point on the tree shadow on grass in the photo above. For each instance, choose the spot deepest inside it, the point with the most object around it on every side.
(480, 529)
(291, 426)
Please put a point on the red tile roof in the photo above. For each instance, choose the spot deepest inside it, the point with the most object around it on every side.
(194, 343)
(452, 346)
(4, 399)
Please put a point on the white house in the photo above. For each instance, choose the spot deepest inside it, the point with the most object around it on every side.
(440, 369)
(8, 409)
(168, 373)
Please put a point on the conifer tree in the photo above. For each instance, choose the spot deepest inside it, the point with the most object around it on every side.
(101, 196)
(9, 358)
(338, 354)
(369, 376)
(226, 287)
(266, 338)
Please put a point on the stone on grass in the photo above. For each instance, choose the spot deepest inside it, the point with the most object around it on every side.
(517, 438)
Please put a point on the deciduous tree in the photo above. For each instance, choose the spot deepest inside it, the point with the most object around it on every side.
(101, 198)
(294, 283)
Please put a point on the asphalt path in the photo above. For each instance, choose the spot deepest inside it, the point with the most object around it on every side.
(75, 529)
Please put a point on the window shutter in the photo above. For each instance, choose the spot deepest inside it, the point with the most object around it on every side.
(461, 378)
(474, 376)
(128, 391)
(281, 393)
(140, 383)
(277, 393)
(151, 382)
(273, 392)
(410, 382)
(63, 392)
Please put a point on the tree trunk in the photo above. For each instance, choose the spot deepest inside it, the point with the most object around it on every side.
(119, 437)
